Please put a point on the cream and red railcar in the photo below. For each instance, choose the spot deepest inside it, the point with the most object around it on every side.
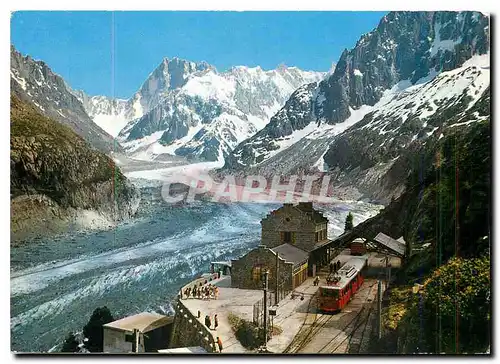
(341, 287)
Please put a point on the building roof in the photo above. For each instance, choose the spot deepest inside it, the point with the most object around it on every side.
(144, 322)
(291, 253)
(359, 240)
(320, 244)
(392, 244)
(187, 350)
(226, 263)
(308, 208)
(348, 271)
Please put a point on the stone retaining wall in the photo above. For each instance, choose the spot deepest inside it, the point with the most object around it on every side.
(188, 331)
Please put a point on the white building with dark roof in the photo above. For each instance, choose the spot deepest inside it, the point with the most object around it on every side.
(144, 332)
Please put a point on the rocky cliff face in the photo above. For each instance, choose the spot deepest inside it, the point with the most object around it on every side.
(405, 46)
(58, 182)
(34, 82)
(389, 136)
(408, 76)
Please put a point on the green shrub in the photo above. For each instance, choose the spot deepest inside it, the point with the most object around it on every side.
(452, 315)
(249, 335)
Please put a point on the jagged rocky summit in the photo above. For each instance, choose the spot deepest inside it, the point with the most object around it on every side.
(411, 78)
(190, 109)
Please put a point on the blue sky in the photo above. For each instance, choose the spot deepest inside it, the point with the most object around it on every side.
(83, 46)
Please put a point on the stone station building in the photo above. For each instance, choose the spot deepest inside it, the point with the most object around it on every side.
(294, 240)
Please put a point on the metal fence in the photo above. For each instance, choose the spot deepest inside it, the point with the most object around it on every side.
(258, 307)
(282, 292)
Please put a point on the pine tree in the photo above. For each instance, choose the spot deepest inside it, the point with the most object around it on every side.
(349, 222)
(70, 344)
(94, 331)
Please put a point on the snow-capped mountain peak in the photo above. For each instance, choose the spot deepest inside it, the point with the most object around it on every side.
(191, 109)
(406, 46)
(415, 73)
(113, 114)
(213, 112)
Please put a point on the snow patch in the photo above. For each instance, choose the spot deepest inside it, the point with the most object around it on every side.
(21, 81)
(111, 124)
(137, 107)
(321, 164)
(210, 86)
(442, 44)
(423, 98)
(358, 73)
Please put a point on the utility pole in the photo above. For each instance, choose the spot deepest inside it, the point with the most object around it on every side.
(389, 273)
(266, 276)
(386, 270)
(277, 280)
(379, 309)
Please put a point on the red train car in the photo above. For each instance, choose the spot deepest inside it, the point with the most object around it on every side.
(339, 290)
(358, 247)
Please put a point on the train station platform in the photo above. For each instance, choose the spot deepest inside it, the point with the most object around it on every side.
(290, 312)
(231, 300)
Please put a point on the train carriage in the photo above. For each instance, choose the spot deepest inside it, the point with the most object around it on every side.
(342, 286)
(358, 246)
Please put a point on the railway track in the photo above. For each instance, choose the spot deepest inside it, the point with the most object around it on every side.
(317, 325)
(349, 326)
(303, 334)
(356, 343)
(349, 330)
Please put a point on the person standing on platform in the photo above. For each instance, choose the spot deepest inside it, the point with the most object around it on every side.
(219, 344)
(216, 322)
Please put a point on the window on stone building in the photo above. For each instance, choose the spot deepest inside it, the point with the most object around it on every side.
(258, 271)
(287, 237)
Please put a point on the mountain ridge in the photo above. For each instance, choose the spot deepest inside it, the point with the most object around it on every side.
(193, 110)
(34, 81)
(299, 136)
(376, 64)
